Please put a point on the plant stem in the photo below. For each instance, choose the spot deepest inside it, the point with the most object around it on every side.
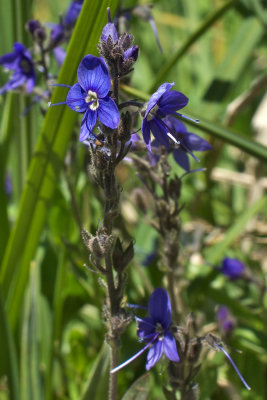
(113, 378)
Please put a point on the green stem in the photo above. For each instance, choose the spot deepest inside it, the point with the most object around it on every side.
(243, 143)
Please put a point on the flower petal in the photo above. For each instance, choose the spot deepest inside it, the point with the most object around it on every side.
(87, 125)
(93, 75)
(154, 354)
(169, 347)
(75, 99)
(196, 143)
(154, 99)
(159, 131)
(159, 307)
(109, 30)
(181, 158)
(146, 133)
(108, 113)
(9, 60)
(172, 101)
(30, 84)
(145, 328)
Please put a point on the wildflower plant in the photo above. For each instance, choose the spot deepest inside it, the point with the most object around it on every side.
(121, 164)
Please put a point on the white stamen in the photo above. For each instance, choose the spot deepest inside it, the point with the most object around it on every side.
(173, 138)
(92, 99)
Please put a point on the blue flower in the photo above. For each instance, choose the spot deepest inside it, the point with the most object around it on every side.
(155, 331)
(162, 103)
(90, 96)
(232, 268)
(20, 61)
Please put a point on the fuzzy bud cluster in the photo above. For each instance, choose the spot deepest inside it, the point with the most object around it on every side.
(99, 245)
(118, 51)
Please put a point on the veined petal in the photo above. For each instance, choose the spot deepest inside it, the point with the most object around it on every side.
(93, 75)
(75, 99)
(108, 113)
(169, 347)
(172, 101)
(154, 99)
(159, 307)
(154, 354)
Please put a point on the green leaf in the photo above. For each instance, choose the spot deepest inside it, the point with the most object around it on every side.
(203, 28)
(48, 160)
(216, 252)
(236, 139)
(8, 360)
(97, 385)
(31, 383)
(139, 389)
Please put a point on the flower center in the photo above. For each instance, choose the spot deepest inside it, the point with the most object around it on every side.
(25, 66)
(159, 329)
(152, 113)
(92, 99)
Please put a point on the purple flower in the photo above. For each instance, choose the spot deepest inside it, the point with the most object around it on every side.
(155, 331)
(72, 13)
(162, 103)
(232, 268)
(90, 96)
(225, 320)
(20, 61)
